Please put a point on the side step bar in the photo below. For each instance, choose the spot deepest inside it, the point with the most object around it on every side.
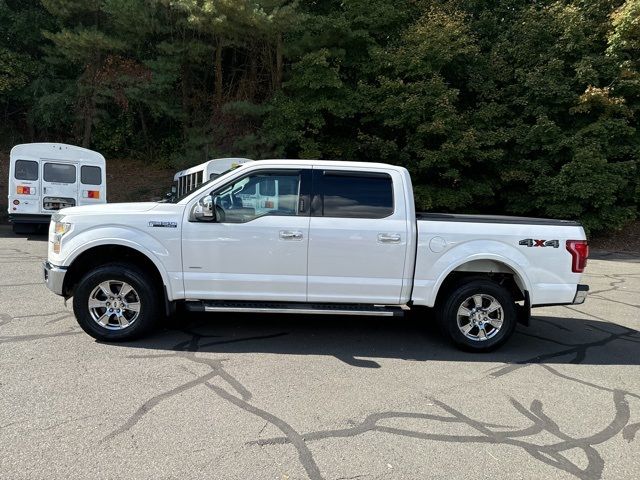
(293, 307)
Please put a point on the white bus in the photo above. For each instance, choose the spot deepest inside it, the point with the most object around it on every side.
(46, 177)
(187, 180)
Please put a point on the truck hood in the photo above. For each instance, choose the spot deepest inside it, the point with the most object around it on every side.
(109, 208)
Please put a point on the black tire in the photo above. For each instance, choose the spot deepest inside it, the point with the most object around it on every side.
(461, 295)
(145, 291)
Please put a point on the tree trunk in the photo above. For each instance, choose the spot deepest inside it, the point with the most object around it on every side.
(253, 76)
(88, 123)
(218, 86)
(90, 100)
(279, 54)
(186, 107)
(143, 126)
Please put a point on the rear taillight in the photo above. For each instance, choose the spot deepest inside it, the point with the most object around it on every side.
(579, 250)
(22, 190)
(91, 193)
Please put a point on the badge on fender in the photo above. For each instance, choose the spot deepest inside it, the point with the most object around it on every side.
(163, 224)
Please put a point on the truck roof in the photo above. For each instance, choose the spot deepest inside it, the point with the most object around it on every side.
(330, 163)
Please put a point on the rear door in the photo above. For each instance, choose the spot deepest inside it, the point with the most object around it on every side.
(59, 185)
(357, 237)
(92, 185)
(24, 190)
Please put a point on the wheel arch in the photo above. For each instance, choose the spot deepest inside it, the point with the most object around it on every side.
(120, 252)
(496, 267)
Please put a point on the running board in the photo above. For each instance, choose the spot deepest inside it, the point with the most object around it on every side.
(300, 308)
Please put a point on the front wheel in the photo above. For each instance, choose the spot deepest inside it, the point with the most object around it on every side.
(116, 302)
(479, 315)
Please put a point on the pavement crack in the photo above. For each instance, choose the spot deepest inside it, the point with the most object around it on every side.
(550, 454)
(293, 437)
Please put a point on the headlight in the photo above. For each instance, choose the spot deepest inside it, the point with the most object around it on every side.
(59, 229)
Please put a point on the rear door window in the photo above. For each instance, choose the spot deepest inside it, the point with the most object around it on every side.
(26, 170)
(59, 173)
(90, 175)
(355, 194)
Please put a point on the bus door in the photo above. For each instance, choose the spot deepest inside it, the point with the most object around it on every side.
(59, 185)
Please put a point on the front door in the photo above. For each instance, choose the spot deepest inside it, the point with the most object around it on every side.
(256, 248)
(59, 185)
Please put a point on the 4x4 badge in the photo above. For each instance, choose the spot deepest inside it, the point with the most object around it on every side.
(530, 242)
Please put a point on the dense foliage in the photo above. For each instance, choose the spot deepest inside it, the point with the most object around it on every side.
(507, 106)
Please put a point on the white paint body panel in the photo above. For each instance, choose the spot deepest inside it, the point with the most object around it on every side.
(544, 272)
(337, 260)
(246, 261)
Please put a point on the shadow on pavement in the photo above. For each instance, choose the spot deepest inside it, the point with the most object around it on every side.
(7, 232)
(631, 257)
(360, 341)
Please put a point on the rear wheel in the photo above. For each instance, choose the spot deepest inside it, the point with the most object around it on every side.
(478, 315)
(116, 302)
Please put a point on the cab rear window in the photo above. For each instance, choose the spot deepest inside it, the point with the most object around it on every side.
(59, 173)
(356, 194)
(26, 170)
(90, 175)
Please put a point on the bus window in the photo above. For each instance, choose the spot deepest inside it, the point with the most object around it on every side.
(59, 173)
(26, 170)
(90, 175)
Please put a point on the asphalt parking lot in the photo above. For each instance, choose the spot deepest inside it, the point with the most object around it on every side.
(283, 397)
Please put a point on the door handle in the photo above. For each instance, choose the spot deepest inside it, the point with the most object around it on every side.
(389, 238)
(290, 235)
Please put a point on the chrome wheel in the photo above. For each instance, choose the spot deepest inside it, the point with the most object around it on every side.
(480, 317)
(114, 304)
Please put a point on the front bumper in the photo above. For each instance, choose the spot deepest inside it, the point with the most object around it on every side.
(581, 294)
(54, 277)
(29, 218)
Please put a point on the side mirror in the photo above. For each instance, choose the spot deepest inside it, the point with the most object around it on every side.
(203, 211)
(173, 189)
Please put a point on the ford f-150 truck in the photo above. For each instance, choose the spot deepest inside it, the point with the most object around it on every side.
(318, 237)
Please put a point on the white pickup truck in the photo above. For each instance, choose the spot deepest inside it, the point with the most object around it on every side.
(313, 237)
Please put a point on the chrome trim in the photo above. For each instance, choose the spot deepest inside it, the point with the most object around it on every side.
(480, 317)
(114, 305)
(54, 277)
(311, 311)
(581, 294)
